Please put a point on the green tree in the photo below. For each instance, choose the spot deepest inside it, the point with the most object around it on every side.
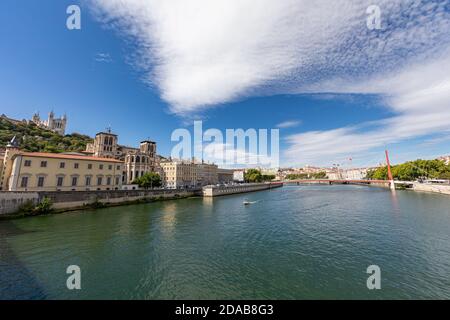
(320, 175)
(304, 176)
(148, 180)
(267, 177)
(253, 175)
(299, 176)
(36, 139)
(45, 206)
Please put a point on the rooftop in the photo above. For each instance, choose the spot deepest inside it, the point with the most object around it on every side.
(66, 156)
(107, 133)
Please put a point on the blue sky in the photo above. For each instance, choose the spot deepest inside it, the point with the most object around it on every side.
(147, 69)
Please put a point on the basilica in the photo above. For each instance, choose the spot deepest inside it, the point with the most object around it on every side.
(57, 125)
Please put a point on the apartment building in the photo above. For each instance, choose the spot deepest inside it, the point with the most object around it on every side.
(35, 171)
(207, 174)
(178, 174)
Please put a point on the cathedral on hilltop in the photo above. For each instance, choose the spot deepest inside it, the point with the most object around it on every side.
(57, 125)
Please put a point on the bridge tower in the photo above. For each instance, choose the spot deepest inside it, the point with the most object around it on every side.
(391, 179)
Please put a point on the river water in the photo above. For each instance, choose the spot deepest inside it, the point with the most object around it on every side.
(296, 242)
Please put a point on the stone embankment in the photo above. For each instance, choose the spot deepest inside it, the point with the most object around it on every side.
(11, 202)
(215, 191)
(435, 188)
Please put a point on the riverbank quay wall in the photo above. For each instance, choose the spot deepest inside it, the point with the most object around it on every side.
(235, 189)
(80, 199)
(435, 188)
(11, 202)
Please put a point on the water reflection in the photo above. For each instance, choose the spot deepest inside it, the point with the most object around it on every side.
(169, 218)
(394, 201)
(16, 280)
(208, 202)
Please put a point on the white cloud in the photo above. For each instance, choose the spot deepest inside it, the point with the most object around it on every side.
(228, 155)
(103, 57)
(420, 96)
(200, 53)
(289, 124)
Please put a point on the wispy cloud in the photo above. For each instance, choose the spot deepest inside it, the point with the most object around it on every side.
(420, 96)
(228, 155)
(289, 124)
(441, 138)
(202, 53)
(103, 57)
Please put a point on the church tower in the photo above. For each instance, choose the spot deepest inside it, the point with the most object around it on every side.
(57, 125)
(105, 144)
(11, 150)
(36, 118)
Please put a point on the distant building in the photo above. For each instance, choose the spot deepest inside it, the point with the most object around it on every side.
(348, 174)
(445, 159)
(191, 173)
(239, 175)
(333, 174)
(207, 174)
(225, 175)
(355, 174)
(306, 171)
(178, 174)
(57, 125)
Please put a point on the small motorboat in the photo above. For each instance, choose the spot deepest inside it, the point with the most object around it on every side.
(246, 202)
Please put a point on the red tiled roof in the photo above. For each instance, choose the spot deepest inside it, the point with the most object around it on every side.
(67, 156)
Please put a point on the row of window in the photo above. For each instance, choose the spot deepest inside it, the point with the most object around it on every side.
(62, 165)
(138, 159)
(74, 182)
(109, 141)
(136, 175)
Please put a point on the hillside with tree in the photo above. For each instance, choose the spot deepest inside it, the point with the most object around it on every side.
(413, 170)
(33, 138)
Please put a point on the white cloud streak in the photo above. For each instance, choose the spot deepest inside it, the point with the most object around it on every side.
(289, 124)
(201, 53)
(420, 96)
(103, 57)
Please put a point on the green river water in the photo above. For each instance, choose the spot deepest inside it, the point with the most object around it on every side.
(296, 242)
